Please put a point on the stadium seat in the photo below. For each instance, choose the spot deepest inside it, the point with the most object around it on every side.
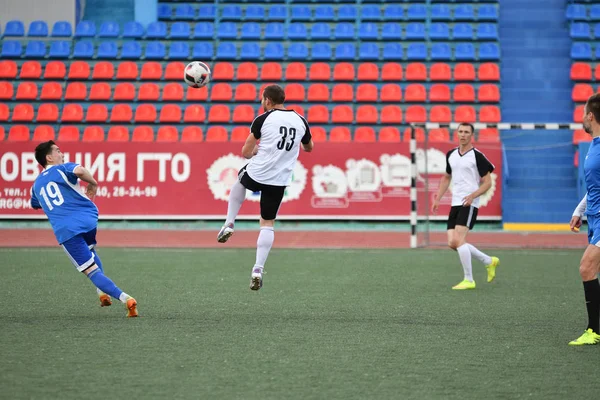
(416, 51)
(43, 133)
(439, 93)
(55, 70)
(342, 114)
(321, 51)
(581, 71)
(101, 91)
(97, 113)
(295, 92)
(192, 134)
(416, 72)
(225, 51)
(51, 91)
(245, 92)
(221, 92)
(172, 92)
(62, 29)
(194, 113)
(367, 92)
(464, 93)
(440, 12)
(223, 71)
(320, 31)
(347, 13)
(489, 114)
(488, 72)
(77, 91)
(103, 70)
(489, 93)
(85, 29)
(4, 113)
(216, 134)
(184, 11)
(79, 70)
(441, 51)
(370, 51)
(581, 92)
(27, 91)
(107, 50)
(344, 31)
(391, 72)
(72, 113)
(68, 134)
(131, 51)
(83, 49)
(416, 114)
(167, 134)
(30, 70)
(464, 72)
(419, 135)
(391, 115)
(151, 70)
(580, 136)
(227, 30)
(318, 92)
(8, 69)
(576, 12)
(367, 114)
(22, 112)
(488, 135)
(274, 31)
(296, 71)
(366, 72)
(489, 51)
(133, 30)
(389, 135)
(207, 12)
(319, 72)
(342, 92)
(466, 51)
(194, 94)
(47, 112)
(18, 133)
(148, 92)
(297, 31)
(440, 114)
(61, 49)
(438, 31)
(14, 29)
(145, 113)
(417, 12)
(127, 70)
(156, 30)
(109, 29)
(121, 113)
(244, 113)
(142, 134)
(180, 30)
(487, 12)
(324, 13)
(318, 114)
(487, 32)
(439, 135)
(440, 72)
(174, 71)
(269, 72)
(250, 51)
(11, 49)
(417, 31)
(340, 134)
(155, 51)
(219, 113)
(578, 113)
(462, 31)
(125, 92)
(239, 134)
(368, 31)
(93, 134)
(465, 114)
(346, 51)
(415, 93)
(318, 134)
(35, 49)
(597, 72)
(118, 134)
(6, 91)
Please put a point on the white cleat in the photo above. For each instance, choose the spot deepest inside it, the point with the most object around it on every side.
(256, 279)
(225, 233)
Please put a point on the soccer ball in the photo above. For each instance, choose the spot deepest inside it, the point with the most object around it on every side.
(196, 74)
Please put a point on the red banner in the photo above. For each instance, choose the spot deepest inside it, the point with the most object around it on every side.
(192, 180)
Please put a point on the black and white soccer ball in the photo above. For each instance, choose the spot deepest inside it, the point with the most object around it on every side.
(197, 74)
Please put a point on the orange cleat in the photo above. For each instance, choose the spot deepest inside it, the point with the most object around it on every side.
(131, 307)
(105, 300)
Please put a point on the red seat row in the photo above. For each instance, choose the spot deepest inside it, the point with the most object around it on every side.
(581, 71)
(582, 91)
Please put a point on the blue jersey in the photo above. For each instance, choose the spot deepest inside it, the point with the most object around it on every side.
(592, 177)
(70, 211)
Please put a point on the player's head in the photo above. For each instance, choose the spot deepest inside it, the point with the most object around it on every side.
(273, 96)
(48, 153)
(465, 132)
(591, 113)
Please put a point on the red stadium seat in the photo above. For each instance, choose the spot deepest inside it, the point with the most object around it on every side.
(6, 91)
(318, 92)
(245, 92)
(389, 134)
(200, 94)
(96, 113)
(170, 113)
(488, 135)
(364, 135)
(121, 113)
(47, 112)
(597, 72)
(167, 134)
(93, 134)
(172, 92)
(366, 72)
(72, 113)
(295, 71)
(576, 159)
(578, 114)
(366, 114)
(192, 134)
(152, 71)
(419, 135)
(216, 134)
(440, 114)
(294, 92)
(318, 134)
(439, 135)
(415, 92)
(18, 133)
(391, 72)
(79, 70)
(101, 91)
(148, 92)
(31, 70)
(581, 92)
(68, 134)
(391, 115)
(127, 71)
(174, 71)
(439, 93)
(581, 136)
(416, 72)
(27, 91)
(464, 93)
(581, 71)
(344, 72)
(103, 70)
(51, 91)
(297, 108)
(221, 92)
(118, 134)
(219, 113)
(489, 114)
(342, 115)
(318, 114)
(194, 113)
(342, 92)
(270, 71)
(340, 134)
(489, 72)
(390, 92)
(239, 134)
(55, 70)
(248, 71)
(223, 71)
(464, 72)
(143, 134)
(43, 133)
(4, 113)
(8, 69)
(367, 92)
(22, 113)
(126, 91)
(77, 91)
(440, 72)
(243, 113)
(465, 114)
(319, 72)
(416, 114)
(488, 93)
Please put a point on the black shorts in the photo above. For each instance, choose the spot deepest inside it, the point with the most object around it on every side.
(270, 195)
(461, 215)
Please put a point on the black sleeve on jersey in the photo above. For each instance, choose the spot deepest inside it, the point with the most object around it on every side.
(257, 124)
(448, 168)
(307, 136)
(483, 164)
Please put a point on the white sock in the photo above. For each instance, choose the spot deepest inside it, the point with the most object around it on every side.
(484, 258)
(123, 297)
(465, 259)
(237, 195)
(263, 245)
(100, 292)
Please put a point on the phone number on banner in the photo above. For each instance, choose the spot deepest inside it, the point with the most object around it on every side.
(127, 191)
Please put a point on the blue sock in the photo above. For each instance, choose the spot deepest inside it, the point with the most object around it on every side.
(104, 283)
(97, 260)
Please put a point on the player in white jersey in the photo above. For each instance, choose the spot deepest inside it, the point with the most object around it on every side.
(281, 133)
(470, 172)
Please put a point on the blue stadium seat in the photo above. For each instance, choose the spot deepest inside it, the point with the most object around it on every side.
(227, 30)
(84, 49)
(301, 13)
(464, 51)
(179, 51)
(416, 51)
(35, 49)
(297, 51)
(62, 29)
(208, 12)
(393, 13)
(489, 51)
(85, 29)
(393, 51)
(107, 49)
(347, 13)
(203, 51)
(180, 30)
(440, 12)
(345, 51)
(156, 30)
(164, 11)
(274, 31)
(581, 51)
(368, 31)
(597, 31)
(14, 28)
(369, 51)
(155, 51)
(204, 30)
(38, 29)
(462, 31)
(597, 52)
(370, 13)
(487, 12)
(417, 12)
(392, 31)
(297, 30)
(324, 13)
(133, 29)
(321, 51)
(277, 13)
(439, 31)
(232, 13)
(320, 31)
(344, 30)
(487, 32)
(227, 50)
(131, 50)
(441, 51)
(251, 30)
(274, 51)
(255, 13)
(109, 29)
(11, 49)
(185, 11)
(595, 12)
(576, 12)
(250, 51)
(464, 12)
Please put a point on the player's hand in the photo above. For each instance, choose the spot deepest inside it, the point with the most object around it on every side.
(575, 223)
(435, 207)
(468, 200)
(90, 191)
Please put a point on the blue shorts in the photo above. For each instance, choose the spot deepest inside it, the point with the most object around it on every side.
(79, 250)
(594, 229)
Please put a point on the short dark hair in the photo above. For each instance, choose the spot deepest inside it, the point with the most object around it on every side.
(42, 150)
(593, 105)
(467, 124)
(275, 93)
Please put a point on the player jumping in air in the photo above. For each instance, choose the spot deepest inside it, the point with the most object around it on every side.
(471, 172)
(74, 218)
(281, 133)
(589, 265)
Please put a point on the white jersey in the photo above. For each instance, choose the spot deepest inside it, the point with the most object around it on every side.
(280, 133)
(466, 170)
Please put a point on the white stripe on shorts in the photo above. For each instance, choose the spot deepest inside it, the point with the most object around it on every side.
(80, 268)
(470, 216)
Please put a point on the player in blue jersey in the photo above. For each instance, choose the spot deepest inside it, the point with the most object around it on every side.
(74, 218)
(590, 262)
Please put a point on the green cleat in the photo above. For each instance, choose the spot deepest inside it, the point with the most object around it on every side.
(588, 337)
(464, 285)
(491, 268)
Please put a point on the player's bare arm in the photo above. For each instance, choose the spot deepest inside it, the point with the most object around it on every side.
(250, 148)
(486, 184)
(308, 147)
(576, 221)
(86, 176)
(444, 185)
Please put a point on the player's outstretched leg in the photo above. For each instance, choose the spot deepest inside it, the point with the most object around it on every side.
(107, 286)
(237, 195)
(456, 241)
(263, 247)
(105, 300)
(490, 262)
(588, 269)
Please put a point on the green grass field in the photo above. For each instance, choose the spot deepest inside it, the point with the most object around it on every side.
(354, 324)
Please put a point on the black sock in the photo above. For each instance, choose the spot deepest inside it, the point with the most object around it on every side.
(592, 300)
